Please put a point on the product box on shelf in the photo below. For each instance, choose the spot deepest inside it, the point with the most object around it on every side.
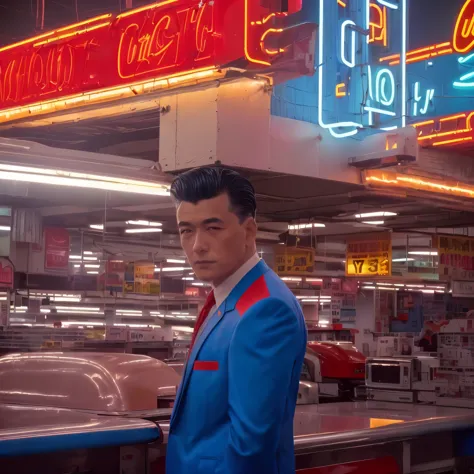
(458, 325)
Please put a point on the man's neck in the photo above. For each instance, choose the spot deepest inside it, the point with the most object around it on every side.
(223, 289)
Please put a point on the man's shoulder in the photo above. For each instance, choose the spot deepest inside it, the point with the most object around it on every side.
(268, 288)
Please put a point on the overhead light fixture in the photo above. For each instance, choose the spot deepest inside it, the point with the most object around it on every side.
(305, 226)
(423, 252)
(295, 279)
(366, 215)
(93, 272)
(82, 323)
(374, 222)
(403, 259)
(97, 226)
(6, 228)
(172, 269)
(78, 257)
(174, 260)
(146, 230)
(188, 278)
(58, 177)
(145, 223)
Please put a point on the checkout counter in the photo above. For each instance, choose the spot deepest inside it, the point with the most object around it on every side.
(63, 413)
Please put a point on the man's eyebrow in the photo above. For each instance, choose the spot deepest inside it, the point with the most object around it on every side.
(211, 220)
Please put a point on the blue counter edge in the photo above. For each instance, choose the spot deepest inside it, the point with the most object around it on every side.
(99, 439)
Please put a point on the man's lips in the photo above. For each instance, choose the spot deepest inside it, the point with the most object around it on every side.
(204, 262)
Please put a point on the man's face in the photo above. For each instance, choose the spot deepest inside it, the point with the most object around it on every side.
(214, 240)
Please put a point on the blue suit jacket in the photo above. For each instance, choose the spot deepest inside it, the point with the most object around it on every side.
(234, 410)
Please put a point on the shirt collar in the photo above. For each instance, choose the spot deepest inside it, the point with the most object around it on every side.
(222, 291)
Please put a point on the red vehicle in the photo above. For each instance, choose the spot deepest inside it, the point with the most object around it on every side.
(340, 362)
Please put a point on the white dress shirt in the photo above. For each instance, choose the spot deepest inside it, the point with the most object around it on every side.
(222, 291)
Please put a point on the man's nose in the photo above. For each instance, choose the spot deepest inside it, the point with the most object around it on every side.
(200, 243)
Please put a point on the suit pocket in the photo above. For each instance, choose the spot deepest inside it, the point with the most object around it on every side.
(207, 466)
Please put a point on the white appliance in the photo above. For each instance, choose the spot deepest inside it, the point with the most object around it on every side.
(401, 379)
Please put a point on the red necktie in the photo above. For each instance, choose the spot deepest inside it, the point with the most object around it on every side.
(210, 302)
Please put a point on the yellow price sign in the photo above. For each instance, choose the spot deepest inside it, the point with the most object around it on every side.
(294, 260)
(369, 255)
(373, 265)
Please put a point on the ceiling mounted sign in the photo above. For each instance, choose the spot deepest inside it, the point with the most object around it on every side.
(369, 255)
(294, 260)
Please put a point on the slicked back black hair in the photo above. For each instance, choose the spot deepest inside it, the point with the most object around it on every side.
(211, 181)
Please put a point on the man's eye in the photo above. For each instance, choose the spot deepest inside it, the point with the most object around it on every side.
(213, 228)
(184, 231)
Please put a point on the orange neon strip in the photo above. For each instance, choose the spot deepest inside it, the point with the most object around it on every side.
(95, 96)
(339, 92)
(418, 183)
(420, 124)
(74, 33)
(341, 4)
(441, 134)
(65, 28)
(430, 51)
(452, 117)
(386, 58)
(270, 52)
(246, 35)
(145, 8)
(454, 140)
(445, 51)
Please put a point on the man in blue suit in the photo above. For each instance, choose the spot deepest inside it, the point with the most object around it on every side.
(234, 410)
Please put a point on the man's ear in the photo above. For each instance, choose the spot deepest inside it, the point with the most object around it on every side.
(251, 228)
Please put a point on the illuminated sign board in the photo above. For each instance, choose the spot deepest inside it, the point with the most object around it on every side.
(369, 255)
(140, 50)
(355, 91)
(368, 79)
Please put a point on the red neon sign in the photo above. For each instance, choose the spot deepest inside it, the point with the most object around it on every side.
(463, 37)
(158, 41)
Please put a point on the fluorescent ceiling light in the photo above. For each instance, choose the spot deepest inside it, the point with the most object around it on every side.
(182, 329)
(374, 222)
(403, 259)
(78, 257)
(143, 231)
(305, 226)
(82, 323)
(78, 308)
(97, 226)
(57, 177)
(296, 279)
(198, 283)
(375, 214)
(188, 278)
(5, 228)
(145, 223)
(423, 252)
(314, 280)
(175, 260)
(172, 269)
(93, 272)
(133, 311)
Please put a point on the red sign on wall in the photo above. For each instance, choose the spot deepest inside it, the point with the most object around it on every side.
(6, 274)
(157, 41)
(56, 248)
